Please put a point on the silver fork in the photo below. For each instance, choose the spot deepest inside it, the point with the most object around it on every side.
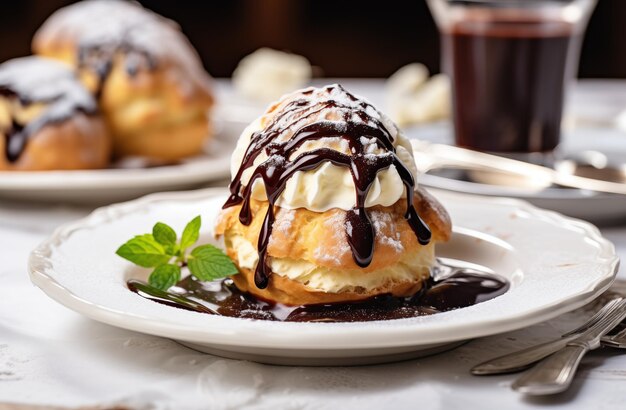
(618, 340)
(590, 321)
(555, 373)
(522, 359)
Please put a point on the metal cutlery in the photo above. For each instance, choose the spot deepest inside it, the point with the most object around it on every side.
(522, 359)
(431, 156)
(593, 319)
(555, 373)
(617, 341)
(445, 268)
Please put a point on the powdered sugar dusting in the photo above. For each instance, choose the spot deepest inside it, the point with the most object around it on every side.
(335, 224)
(31, 80)
(275, 160)
(372, 158)
(386, 230)
(370, 145)
(284, 221)
(311, 108)
(119, 25)
(338, 144)
(37, 79)
(314, 120)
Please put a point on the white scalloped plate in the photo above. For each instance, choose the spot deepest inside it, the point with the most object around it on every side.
(105, 186)
(555, 264)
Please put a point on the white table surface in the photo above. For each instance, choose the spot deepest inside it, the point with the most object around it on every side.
(50, 355)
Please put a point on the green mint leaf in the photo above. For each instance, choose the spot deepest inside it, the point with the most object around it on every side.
(164, 235)
(209, 263)
(164, 276)
(144, 250)
(191, 233)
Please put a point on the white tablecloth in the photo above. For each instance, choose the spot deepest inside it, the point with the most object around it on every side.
(50, 355)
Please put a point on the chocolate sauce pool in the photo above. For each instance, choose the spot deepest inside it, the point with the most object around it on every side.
(223, 298)
(364, 167)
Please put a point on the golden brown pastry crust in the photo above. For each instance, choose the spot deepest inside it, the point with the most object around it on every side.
(79, 142)
(293, 293)
(160, 112)
(319, 238)
(147, 114)
(49, 119)
(150, 117)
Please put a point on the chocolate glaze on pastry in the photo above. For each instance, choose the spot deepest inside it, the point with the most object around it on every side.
(104, 30)
(33, 80)
(279, 167)
(151, 87)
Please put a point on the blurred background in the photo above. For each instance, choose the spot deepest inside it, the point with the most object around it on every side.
(345, 38)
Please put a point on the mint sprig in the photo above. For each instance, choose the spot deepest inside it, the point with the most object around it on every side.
(162, 251)
(191, 233)
(164, 234)
(210, 263)
(144, 250)
(164, 276)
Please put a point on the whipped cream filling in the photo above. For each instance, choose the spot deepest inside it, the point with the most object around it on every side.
(267, 74)
(330, 186)
(324, 279)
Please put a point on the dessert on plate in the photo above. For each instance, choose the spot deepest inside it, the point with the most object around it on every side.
(324, 206)
(324, 223)
(148, 79)
(48, 119)
(267, 74)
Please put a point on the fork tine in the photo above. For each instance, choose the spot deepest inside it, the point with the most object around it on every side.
(523, 358)
(606, 318)
(592, 320)
(617, 340)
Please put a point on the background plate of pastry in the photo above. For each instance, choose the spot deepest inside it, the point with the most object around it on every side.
(554, 264)
(131, 179)
(108, 82)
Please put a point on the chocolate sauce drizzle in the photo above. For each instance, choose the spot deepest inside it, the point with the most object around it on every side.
(109, 32)
(224, 299)
(99, 58)
(364, 167)
(32, 80)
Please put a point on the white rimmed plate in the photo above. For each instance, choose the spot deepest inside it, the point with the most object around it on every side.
(555, 264)
(105, 186)
(589, 205)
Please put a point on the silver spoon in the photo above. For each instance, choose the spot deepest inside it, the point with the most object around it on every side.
(430, 156)
(595, 165)
(445, 267)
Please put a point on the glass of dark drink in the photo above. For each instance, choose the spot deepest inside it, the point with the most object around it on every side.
(510, 62)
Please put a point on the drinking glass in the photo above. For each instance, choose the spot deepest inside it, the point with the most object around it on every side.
(510, 63)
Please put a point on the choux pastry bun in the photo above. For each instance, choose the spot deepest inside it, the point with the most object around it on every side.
(48, 120)
(149, 81)
(323, 204)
